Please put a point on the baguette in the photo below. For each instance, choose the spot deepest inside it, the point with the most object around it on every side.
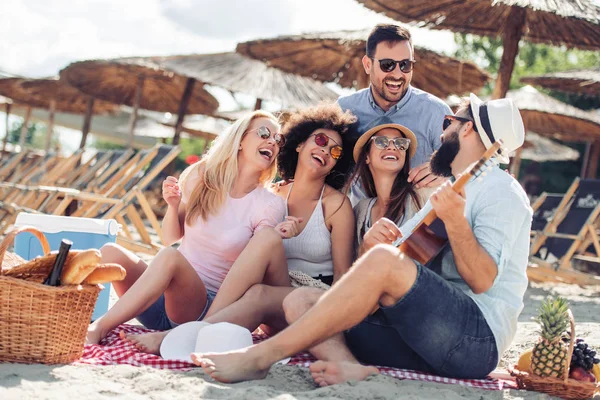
(105, 273)
(80, 267)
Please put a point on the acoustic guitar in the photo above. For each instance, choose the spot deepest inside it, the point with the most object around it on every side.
(428, 238)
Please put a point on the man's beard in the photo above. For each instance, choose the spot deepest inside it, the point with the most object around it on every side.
(442, 158)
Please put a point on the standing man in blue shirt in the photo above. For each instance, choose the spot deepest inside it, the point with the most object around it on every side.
(389, 63)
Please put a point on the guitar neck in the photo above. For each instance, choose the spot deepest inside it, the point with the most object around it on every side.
(458, 187)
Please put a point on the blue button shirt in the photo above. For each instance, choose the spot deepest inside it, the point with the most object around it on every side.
(498, 211)
(419, 111)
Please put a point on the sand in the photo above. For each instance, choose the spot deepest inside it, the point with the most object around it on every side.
(284, 382)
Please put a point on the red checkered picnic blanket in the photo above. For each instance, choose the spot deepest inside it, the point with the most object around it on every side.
(115, 350)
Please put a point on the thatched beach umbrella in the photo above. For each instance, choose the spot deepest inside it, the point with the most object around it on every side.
(583, 81)
(336, 57)
(554, 119)
(140, 83)
(572, 23)
(11, 88)
(237, 73)
(60, 97)
(541, 149)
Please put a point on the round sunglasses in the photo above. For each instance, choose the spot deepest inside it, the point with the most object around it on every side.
(382, 142)
(388, 65)
(265, 133)
(449, 118)
(322, 140)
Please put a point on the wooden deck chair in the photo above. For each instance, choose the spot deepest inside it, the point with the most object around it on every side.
(125, 208)
(10, 163)
(566, 235)
(544, 209)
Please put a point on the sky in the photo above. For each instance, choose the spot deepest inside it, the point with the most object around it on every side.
(40, 37)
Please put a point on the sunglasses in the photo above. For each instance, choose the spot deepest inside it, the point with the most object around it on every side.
(449, 118)
(388, 65)
(382, 142)
(265, 133)
(322, 140)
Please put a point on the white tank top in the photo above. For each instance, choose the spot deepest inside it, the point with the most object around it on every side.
(310, 251)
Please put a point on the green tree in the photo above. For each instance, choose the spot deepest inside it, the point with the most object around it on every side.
(33, 136)
(535, 59)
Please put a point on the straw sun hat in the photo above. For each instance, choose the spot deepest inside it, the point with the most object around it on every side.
(382, 123)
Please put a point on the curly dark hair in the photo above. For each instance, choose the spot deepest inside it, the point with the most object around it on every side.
(298, 128)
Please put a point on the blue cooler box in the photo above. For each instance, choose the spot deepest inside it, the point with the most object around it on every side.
(85, 233)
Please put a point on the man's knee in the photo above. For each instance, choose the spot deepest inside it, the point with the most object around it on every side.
(385, 260)
(299, 302)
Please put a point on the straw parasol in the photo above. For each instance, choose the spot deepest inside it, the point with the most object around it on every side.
(140, 83)
(64, 98)
(553, 119)
(541, 149)
(336, 57)
(583, 81)
(237, 73)
(572, 23)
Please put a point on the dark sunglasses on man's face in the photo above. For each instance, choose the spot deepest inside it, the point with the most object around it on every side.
(322, 140)
(265, 133)
(388, 65)
(449, 118)
(382, 142)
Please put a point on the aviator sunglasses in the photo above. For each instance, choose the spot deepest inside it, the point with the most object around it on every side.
(322, 140)
(264, 133)
(382, 142)
(449, 118)
(388, 65)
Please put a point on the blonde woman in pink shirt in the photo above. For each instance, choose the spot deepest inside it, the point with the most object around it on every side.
(220, 205)
(318, 234)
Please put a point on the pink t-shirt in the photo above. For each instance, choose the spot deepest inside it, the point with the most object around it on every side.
(213, 245)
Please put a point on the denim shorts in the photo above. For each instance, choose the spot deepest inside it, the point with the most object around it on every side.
(155, 317)
(435, 328)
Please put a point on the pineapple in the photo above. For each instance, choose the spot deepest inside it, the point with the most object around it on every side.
(548, 358)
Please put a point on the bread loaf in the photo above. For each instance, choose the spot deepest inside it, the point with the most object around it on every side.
(76, 270)
(105, 273)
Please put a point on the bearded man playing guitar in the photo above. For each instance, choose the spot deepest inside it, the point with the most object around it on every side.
(392, 310)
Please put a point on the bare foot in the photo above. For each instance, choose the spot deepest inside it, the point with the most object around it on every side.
(235, 366)
(327, 373)
(146, 342)
(95, 333)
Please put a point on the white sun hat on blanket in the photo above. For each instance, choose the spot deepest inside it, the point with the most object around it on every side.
(202, 337)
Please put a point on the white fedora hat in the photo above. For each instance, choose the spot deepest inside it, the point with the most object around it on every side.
(498, 119)
(202, 337)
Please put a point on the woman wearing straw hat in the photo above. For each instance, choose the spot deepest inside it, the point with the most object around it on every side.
(220, 206)
(318, 231)
(382, 156)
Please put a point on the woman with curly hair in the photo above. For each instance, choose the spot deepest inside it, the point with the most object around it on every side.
(317, 234)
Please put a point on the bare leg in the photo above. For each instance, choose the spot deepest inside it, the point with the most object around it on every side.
(295, 305)
(262, 261)
(382, 276)
(260, 304)
(169, 273)
(135, 266)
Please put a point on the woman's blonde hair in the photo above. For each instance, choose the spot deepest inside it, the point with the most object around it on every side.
(221, 169)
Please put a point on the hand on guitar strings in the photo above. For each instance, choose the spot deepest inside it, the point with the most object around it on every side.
(383, 231)
(422, 177)
(449, 205)
(288, 228)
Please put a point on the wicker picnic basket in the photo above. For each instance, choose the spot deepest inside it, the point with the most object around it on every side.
(565, 388)
(40, 323)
